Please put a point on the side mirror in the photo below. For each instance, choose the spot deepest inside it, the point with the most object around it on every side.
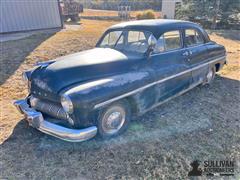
(152, 41)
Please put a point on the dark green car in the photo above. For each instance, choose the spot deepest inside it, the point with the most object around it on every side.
(134, 67)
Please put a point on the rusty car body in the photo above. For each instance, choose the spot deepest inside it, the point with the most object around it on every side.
(134, 67)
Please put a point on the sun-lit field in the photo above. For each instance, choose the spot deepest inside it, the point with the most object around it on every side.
(97, 13)
(202, 124)
(18, 56)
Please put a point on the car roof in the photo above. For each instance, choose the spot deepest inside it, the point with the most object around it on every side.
(156, 26)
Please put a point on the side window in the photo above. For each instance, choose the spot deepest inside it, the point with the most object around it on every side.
(137, 41)
(168, 41)
(192, 37)
(135, 36)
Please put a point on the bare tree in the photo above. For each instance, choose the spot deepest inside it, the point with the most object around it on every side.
(216, 12)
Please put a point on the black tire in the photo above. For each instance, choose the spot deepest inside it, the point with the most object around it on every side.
(105, 131)
(210, 76)
(65, 18)
(75, 18)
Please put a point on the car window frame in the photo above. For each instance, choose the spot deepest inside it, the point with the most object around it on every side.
(124, 31)
(107, 33)
(136, 30)
(139, 31)
(200, 34)
(172, 50)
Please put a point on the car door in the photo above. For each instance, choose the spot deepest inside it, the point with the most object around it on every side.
(195, 54)
(169, 64)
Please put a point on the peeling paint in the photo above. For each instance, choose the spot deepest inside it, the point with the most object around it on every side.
(113, 81)
(41, 84)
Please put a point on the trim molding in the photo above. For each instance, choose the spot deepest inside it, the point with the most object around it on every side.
(156, 82)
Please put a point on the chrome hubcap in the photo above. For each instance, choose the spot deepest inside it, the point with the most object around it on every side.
(113, 120)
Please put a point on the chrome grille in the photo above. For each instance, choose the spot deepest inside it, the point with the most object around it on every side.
(49, 108)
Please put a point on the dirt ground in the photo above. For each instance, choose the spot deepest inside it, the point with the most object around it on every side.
(203, 124)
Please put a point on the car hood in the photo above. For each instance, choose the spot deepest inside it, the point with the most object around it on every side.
(79, 67)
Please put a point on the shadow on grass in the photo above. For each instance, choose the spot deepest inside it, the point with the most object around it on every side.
(13, 53)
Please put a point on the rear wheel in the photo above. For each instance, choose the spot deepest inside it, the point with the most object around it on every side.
(210, 76)
(114, 119)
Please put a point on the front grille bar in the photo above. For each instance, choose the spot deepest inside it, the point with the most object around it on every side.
(49, 108)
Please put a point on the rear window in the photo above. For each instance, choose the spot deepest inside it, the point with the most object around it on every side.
(168, 41)
(193, 38)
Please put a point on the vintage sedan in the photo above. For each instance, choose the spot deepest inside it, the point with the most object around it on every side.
(134, 67)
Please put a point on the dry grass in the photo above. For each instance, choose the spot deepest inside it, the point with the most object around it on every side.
(23, 54)
(233, 54)
(93, 12)
(202, 124)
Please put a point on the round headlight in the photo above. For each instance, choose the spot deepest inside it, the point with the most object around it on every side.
(66, 103)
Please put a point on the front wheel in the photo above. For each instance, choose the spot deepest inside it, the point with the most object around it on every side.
(114, 119)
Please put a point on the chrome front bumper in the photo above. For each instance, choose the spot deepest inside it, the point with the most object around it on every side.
(37, 121)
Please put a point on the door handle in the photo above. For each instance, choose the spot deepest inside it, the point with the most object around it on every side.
(186, 53)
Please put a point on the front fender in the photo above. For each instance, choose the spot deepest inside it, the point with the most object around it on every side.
(91, 93)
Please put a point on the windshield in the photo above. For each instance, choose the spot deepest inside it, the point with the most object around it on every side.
(133, 41)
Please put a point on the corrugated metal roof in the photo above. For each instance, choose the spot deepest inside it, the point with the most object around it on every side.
(23, 15)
